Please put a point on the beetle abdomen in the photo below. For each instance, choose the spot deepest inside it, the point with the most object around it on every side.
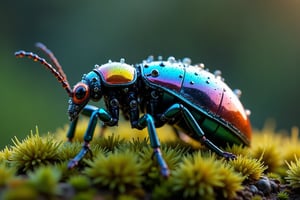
(219, 110)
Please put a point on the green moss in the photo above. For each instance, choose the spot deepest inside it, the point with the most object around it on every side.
(110, 143)
(5, 155)
(45, 180)
(250, 168)
(293, 174)
(232, 182)
(6, 174)
(80, 182)
(119, 171)
(197, 177)
(238, 150)
(34, 151)
(24, 192)
(150, 168)
(124, 168)
(282, 195)
(269, 155)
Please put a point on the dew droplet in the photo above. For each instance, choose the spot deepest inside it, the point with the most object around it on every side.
(150, 58)
(171, 59)
(122, 60)
(201, 65)
(186, 61)
(248, 112)
(217, 73)
(237, 92)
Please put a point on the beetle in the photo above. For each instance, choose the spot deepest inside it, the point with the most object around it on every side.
(151, 94)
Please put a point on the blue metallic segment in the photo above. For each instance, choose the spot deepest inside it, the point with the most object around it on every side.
(169, 75)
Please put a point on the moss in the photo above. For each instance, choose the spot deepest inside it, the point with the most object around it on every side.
(256, 197)
(122, 166)
(282, 195)
(24, 192)
(232, 182)
(45, 180)
(250, 168)
(110, 143)
(118, 171)
(80, 182)
(34, 151)
(238, 150)
(293, 174)
(269, 155)
(197, 177)
(150, 168)
(6, 174)
(5, 155)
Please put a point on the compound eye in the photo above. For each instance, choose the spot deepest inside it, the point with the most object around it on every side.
(81, 93)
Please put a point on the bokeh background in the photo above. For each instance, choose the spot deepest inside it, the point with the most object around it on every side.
(255, 44)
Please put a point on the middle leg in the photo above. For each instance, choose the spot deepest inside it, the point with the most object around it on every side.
(147, 120)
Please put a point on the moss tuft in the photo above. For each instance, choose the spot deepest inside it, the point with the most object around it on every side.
(282, 195)
(197, 177)
(150, 167)
(238, 150)
(269, 155)
(6, 174)
(45, 179)
(34, 151)
(80, 182)
(110, 143)
(232, 182)
(250, 168)
(293, 174)
(5, 155)
(119, 171)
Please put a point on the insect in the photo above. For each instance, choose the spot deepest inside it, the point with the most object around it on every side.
(151, 94)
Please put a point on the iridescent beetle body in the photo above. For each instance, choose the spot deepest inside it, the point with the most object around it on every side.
(154, 93)
(215, 106)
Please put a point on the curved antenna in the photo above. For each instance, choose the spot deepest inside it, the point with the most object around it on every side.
(62, 79)
(53, 59)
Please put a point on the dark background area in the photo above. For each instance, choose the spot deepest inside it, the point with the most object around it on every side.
(254, 43)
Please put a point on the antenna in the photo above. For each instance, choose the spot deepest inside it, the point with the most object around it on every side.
(53, 59)
(58, 73)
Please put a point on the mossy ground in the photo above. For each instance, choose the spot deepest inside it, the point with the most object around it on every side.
(121, 167)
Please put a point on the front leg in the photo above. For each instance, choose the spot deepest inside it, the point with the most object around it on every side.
(192, 123)
(104, 116)
(86, 111)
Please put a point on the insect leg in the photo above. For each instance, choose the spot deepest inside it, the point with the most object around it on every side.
(86, 111)
(192, 123)
(71, 131)
(104, 116)
(147, 120)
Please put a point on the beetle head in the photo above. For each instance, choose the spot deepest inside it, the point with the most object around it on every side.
(88, 88)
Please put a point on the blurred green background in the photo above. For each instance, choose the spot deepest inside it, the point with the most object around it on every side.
(255, 44)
